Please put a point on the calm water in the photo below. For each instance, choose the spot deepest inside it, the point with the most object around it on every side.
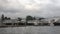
(31, 30)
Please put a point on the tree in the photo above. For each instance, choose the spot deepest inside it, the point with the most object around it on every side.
(2, 18)
(6, 18)
(9, 18)
(19, 19)
(29, 18)
(41, 18)
(34, 18)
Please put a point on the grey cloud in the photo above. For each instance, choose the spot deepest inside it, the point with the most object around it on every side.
(46, 10)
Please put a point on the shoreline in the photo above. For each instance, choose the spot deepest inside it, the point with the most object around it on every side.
(19, 26)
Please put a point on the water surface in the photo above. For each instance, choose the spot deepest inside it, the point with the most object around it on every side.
(31, 30)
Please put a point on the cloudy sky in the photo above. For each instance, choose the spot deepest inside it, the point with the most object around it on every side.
(22, 8)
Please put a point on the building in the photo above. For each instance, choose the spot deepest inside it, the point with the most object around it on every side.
(33, 22)
(10, 22)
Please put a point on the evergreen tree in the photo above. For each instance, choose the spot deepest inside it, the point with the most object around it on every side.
(2, 18)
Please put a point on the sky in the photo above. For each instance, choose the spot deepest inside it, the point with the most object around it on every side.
(22, 8)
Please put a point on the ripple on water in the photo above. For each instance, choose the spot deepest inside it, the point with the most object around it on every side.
(31, 30)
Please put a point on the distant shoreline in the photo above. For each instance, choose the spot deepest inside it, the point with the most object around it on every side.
(22, 26)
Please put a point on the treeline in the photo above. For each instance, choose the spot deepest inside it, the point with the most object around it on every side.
(5, 18)
(19, 19)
